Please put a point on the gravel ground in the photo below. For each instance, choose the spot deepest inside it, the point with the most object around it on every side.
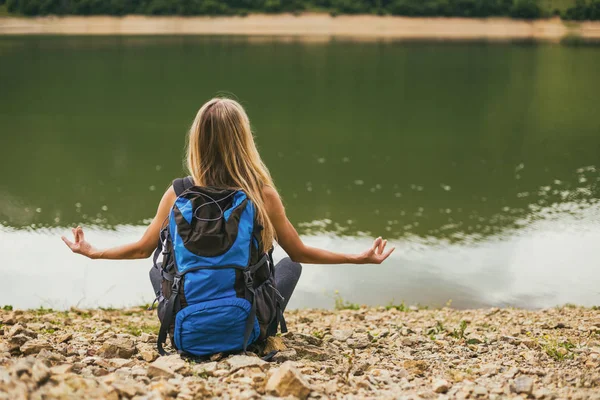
(395, 353)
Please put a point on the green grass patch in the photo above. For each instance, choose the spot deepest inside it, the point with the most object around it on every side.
(341, 304)
(7, 307)
(399, 307)
(319, 334)
(43, 311)
(559, 351)
(137, 330)
(459, 333)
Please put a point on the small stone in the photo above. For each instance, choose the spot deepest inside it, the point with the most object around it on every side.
(120, 363)
(288, 381)
(100, 371)
(480, 391)
(22, 366)
(522, 385)
(61, 369)
(342, 334)
(65, 337)
(40, 372)
(34, 346)
(313, 353)
(240, 361)
(489, 369)
(441, 386)
(167, 366)
(205, 368)
(545, 394)
(282, 356)
(274, 343)
(315, 341)
(164, 388)
(117, 348)
(149, 355)
(19, 329)
(125, 389)
(145, 337)
(511, 339)
(15, 343)
(416, 367)
(358, 342)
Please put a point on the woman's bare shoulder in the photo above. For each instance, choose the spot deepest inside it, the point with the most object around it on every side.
(271, 198)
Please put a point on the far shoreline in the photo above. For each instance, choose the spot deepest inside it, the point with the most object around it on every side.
(309, 26)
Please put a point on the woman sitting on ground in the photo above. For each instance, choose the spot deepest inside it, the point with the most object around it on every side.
(221, 153)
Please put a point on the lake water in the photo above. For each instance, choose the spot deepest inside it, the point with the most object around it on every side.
(479, 161)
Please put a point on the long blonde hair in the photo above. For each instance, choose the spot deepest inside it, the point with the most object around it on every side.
(221, 152)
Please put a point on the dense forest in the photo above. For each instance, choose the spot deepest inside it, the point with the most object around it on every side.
(526, 9)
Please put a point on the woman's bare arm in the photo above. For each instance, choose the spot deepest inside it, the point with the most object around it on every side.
(143, 248)
(290, 241)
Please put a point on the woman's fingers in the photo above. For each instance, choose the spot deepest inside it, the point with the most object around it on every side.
(382, 246)
(387, 254)
(68, 243)
(376, 244)
(80, 237)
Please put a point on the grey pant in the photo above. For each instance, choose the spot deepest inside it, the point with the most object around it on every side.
(287, 274)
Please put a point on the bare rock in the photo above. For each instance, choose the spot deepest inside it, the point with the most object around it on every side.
(126, 389)
(441, 386)
(480, 392)
(359, 342)
(61, 369)
(34, 346)
(40, 372)
(240, 361)
(164, 388)
(117, 348)
(167, 367)
(149, 355)
(288, 381)
(287, 355)
(120, 363)
(489, 369)
(22, 366)
(522, 385)
(312, 353)
(315, 341)
(206, 369)
(274, 343)
(148, 338)
(19, 329)
(15, 343)
(342, 334)
(65, 337)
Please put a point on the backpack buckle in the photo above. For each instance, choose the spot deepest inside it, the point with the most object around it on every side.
(176, 283)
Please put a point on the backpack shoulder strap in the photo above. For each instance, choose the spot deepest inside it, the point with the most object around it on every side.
(180, 185)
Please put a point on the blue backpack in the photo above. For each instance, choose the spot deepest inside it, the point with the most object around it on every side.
(217, 291)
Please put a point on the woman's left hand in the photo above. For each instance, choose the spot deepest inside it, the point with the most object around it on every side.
(376, 254)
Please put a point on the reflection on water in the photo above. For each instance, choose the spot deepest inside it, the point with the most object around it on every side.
(479, 161)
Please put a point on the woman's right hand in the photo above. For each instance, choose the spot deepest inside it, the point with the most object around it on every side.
(376, 254)
(80, 246)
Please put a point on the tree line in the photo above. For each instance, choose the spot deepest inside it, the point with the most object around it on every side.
(524, 9)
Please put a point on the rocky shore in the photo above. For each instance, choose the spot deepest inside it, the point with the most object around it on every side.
(393, 352)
